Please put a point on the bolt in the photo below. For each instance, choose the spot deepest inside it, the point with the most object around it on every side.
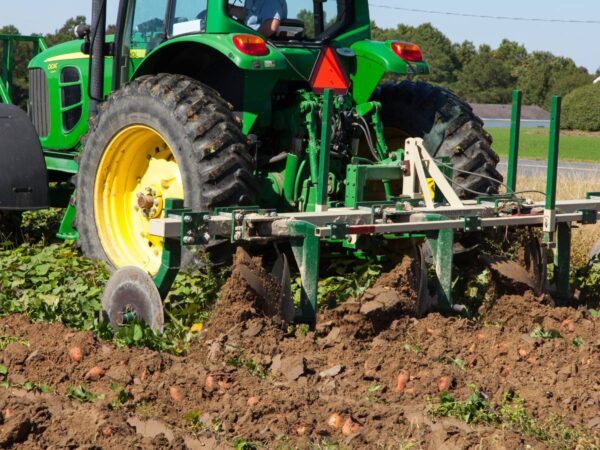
(145, 201)
(273, 214)
(187, 219)
(206, 218)
(188, 240)
(239, 217)
(237, 235)
(378, 211)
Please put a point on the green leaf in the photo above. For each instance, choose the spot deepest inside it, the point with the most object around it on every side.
(3, 369)
(138, 334)
(42, 269)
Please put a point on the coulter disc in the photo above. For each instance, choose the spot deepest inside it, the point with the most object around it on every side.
(132, 295)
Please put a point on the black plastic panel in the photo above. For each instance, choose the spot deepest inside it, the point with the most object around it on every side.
(23, 175)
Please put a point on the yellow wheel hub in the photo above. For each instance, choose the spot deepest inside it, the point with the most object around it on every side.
(136, 173)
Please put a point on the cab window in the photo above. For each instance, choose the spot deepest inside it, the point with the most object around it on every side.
(189, 16)
(148, 24)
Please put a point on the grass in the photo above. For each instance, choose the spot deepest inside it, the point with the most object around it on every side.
(534, 144)
(512, 414)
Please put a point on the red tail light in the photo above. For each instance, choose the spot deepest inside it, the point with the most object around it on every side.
(251, 45)
(407, 51)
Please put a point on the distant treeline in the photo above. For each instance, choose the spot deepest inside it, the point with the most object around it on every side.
(477, 74)
(487, 75)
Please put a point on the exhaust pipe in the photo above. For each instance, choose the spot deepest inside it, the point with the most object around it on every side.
(96, 71)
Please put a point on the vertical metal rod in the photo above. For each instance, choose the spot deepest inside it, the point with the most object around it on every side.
(551, 176)
(98, 36)
(513, 151)
(7, 68)
(323, 178)
(306, 249)
(562, 261)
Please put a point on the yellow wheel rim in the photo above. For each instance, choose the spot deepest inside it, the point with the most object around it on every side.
(137, 172)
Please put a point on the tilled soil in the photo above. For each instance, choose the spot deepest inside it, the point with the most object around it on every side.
(365, 378)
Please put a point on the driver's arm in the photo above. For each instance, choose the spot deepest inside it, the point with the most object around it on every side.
(269, 27)
(273, 12)
(237, 11)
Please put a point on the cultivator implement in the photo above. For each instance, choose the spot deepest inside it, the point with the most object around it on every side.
(422, 216)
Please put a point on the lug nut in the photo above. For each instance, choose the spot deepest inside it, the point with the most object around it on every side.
(187, 219)
(145, 201)
(188, 240)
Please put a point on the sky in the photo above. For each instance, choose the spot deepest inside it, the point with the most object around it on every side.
(576, 40)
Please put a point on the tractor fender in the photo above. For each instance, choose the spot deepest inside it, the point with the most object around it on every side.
(23, 174)
(206, 47)
(373, 60)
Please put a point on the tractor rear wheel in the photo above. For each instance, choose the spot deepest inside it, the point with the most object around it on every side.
(161, 136)
(448, 127)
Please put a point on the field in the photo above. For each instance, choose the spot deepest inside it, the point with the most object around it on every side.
(516, 372)
(574, 146)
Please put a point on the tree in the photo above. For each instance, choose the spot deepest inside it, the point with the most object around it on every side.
(485, 79)
(66, 32)
(580, 109)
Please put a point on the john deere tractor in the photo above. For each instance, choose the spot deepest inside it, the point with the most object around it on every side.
(187, 102)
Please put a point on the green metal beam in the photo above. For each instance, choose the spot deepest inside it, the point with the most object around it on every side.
(324, 154)
(552, 173)
(562, 261)
(306, 249)
(513, 151)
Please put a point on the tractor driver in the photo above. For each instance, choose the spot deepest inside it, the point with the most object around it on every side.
(264, 16)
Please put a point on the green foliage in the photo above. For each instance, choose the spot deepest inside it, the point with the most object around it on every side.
(349, 279)
(580, 109)
(243, 444)
(194, 423)
(540, 333)
(511, 413)
(255, 369)
(53, 283)
(121, 397)
(5, 341)
(578, 342)
(587, 280)
(83, 395)
(475, 409)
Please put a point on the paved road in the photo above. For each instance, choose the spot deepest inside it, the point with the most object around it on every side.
(537, 169)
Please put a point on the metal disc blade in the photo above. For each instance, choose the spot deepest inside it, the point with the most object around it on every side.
(132, 294)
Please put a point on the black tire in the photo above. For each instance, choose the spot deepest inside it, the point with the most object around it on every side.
(204, 135)
(448, 127)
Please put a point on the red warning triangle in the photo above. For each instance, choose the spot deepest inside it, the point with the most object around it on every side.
(329, 73)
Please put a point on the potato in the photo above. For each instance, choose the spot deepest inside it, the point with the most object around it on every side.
(75, 354)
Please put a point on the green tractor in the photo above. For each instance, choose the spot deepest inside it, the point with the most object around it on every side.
(188, 102)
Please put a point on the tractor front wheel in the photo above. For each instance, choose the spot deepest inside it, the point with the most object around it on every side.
(161, 136)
